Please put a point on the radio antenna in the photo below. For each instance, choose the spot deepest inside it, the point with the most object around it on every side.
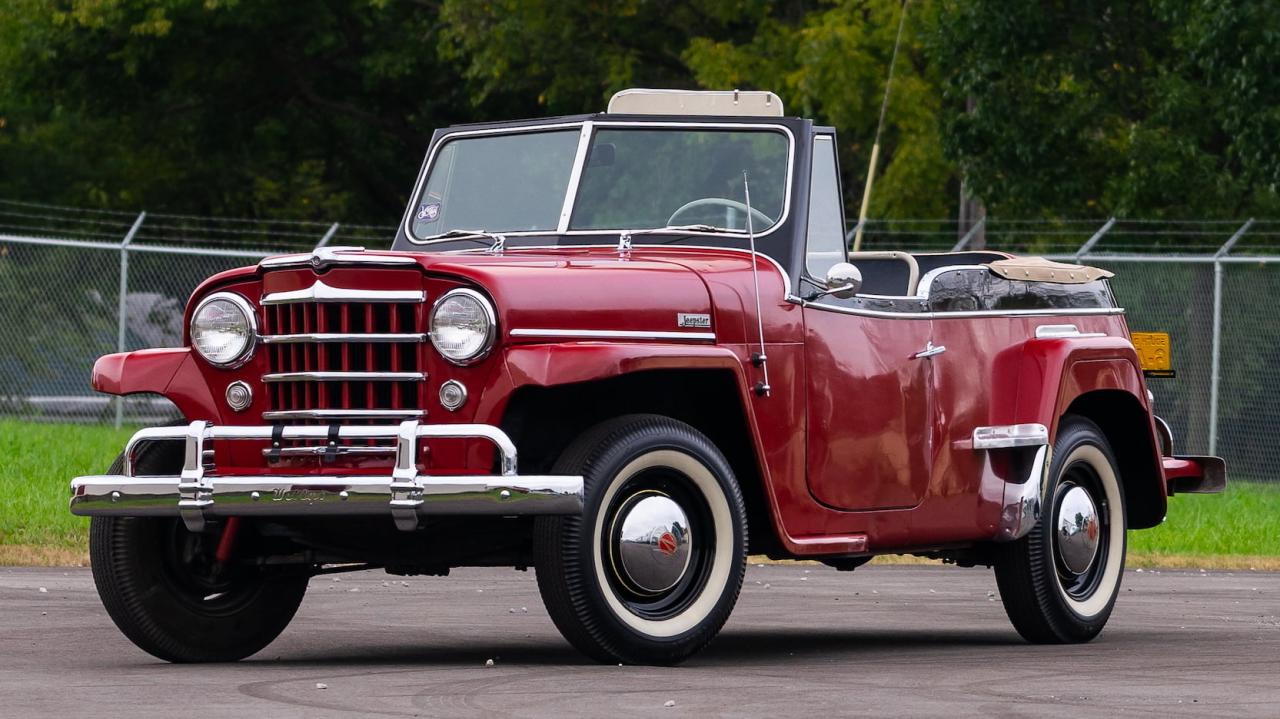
(757, 358)
(875, 146)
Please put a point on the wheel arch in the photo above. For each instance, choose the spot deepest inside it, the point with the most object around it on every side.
(543, 420)
(1126, 424)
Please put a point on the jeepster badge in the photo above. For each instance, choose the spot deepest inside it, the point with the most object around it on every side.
(689, 319)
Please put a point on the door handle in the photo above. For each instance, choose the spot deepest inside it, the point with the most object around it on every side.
(929, 351)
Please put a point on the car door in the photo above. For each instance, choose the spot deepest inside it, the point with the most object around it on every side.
(868, 407)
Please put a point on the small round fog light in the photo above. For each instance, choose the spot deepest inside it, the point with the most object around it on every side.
(239, 396)
(453, 395)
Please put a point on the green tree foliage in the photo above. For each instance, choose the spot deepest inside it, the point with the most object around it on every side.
(831, 64)
(1155, 108)
(289, 109)
(322, 108)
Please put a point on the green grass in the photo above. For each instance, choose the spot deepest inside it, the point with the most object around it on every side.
(1244, 520)
(38, 460)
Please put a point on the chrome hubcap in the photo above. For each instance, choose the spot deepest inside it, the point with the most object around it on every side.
(653, 541)
(1078, 530)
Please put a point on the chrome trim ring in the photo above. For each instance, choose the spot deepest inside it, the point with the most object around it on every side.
(1089, 592)
(653, 539)
(239, 401)
(490, 314)
(251, 316)
(453, 405)
(1077, 530)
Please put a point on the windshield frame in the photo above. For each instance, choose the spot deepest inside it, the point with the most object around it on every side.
(585, 136)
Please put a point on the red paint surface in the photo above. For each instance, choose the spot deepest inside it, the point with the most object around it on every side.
(860, 447)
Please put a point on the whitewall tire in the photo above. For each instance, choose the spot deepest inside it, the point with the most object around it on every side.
(652, 569)
(1060, 582)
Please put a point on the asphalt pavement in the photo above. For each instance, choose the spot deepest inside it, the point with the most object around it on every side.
(803, 641)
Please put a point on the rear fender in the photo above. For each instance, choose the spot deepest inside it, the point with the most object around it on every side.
(1099, 378)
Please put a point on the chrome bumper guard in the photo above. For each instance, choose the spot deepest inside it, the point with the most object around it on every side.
(406, 494)
(1022, 500)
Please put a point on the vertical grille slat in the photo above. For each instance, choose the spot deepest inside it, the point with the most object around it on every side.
(314, 399)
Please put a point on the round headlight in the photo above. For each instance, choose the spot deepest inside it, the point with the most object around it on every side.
(223, 329)
(462, 326)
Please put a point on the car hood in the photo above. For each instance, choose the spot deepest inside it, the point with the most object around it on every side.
(581, 291)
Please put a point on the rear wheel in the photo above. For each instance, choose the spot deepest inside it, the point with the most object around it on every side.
(1060, 582)
(164, 589)
(652, 569)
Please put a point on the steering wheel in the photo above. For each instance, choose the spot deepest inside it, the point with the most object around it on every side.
(720, 202)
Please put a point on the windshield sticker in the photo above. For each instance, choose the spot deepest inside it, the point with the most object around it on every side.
(429, 212)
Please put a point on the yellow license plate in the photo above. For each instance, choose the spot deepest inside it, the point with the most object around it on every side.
(1154, 351)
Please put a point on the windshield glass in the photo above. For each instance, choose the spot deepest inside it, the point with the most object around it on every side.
(499, 183)
(649, 178)
(635, 178)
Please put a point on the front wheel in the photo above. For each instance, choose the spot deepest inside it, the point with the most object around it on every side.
(651, 570)
(164, 589)
(1060, 582)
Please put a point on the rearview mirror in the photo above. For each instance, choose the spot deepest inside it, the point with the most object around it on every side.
(843, 280)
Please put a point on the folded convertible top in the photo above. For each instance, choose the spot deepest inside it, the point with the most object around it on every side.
(1038, 269)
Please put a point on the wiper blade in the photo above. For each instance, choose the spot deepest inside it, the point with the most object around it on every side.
(689, 228)
(464, 235)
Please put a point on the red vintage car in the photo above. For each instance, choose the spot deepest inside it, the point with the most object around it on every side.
(627, 349)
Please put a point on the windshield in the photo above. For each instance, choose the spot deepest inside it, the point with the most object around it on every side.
(640, 178)
(635, 178)
(499, 183)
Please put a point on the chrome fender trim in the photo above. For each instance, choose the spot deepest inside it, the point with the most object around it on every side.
(1022, 499)
(1022, 502)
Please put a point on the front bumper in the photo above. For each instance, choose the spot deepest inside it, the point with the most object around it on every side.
(199, 493)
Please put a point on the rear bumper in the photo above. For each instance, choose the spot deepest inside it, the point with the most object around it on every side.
(1195, 475)
(199, 493)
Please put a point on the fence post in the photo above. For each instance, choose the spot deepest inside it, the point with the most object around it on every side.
(1088, 245)
(1216, 351)
(963, 244)
(121, 309)
(333, 230)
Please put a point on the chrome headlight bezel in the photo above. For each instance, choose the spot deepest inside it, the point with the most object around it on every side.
(251, 325)
(490, 334)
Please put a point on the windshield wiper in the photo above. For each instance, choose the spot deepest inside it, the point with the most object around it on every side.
(496, 239)
(679, 228)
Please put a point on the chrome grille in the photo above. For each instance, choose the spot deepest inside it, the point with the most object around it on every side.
(337, 355)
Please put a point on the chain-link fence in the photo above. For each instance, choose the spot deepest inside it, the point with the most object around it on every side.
(76, 284)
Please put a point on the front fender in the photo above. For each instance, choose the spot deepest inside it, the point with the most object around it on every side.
(776, 438)
(170, 372)
(564, 363)
(124, 373)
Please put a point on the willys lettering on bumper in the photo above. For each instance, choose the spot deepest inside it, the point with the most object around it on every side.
(198, 492)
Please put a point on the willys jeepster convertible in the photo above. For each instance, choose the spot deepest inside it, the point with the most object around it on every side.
(627, 349)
